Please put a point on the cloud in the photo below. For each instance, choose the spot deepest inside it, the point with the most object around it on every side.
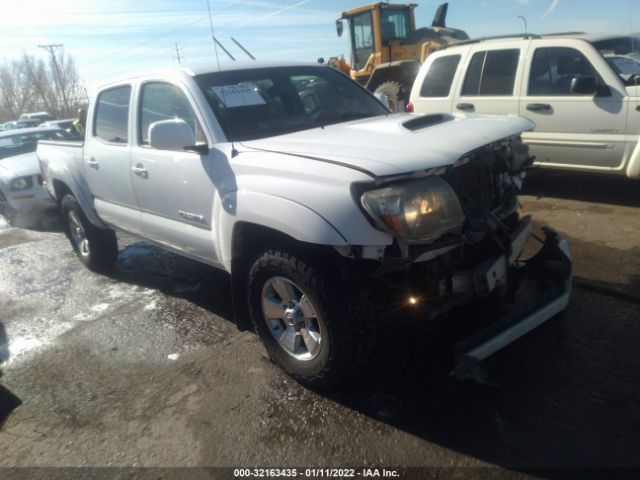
(552, 7)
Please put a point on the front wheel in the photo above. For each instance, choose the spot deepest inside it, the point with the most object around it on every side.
(317, 330)
(95, 247)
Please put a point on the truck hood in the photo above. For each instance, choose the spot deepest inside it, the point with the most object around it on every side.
(20, 165)
(389, 145)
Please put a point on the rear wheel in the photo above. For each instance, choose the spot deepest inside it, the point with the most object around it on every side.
(317, 329)
(95, 247)
(396, 94)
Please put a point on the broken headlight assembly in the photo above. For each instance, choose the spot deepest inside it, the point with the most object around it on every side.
(21, 183)
(419, 211)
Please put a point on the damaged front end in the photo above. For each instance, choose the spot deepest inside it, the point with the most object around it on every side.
(478, 257)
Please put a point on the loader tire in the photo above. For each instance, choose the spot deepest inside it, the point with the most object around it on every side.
(396, 93)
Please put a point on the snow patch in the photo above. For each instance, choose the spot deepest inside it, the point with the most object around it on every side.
(152, 305)
(101, 307)
(18, 345)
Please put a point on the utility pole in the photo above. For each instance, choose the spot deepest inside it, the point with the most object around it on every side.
(178, 57)
(51, 49)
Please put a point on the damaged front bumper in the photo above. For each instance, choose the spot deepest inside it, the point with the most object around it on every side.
(550, 269)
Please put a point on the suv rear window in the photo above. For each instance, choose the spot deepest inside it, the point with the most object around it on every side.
(491, 73)
(112, 115)
(437, 82)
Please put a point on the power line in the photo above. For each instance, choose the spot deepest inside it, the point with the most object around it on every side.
(145, 42)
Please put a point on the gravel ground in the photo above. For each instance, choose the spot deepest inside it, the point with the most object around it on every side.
(145, 367)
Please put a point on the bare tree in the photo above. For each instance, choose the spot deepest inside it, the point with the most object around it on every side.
(29, 84)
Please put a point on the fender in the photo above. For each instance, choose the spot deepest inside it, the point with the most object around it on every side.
(280, 214)
(58, 171)
(633, 166)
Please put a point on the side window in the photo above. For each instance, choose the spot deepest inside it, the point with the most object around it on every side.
(553, 68)
(163, 101)
(437, 82)
(491, 73)
(112, 115)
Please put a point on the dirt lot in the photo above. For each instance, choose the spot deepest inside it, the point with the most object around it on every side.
(145, 368)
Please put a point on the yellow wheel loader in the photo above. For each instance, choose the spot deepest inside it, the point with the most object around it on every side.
(387, 49)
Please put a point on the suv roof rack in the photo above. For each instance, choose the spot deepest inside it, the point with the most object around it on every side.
(559, 34)
(493, 37)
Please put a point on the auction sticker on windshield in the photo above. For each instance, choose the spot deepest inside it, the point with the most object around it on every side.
(240, 95)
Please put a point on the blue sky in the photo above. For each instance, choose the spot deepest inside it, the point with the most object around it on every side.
(112, 37)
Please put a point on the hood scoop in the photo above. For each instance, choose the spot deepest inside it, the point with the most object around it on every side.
(424, 121)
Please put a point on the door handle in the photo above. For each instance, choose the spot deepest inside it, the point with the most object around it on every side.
(140, 171)
(539, 107)
(93, 163)
(466, 107)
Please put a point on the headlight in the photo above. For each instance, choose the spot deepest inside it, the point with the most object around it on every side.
(419, 211)
(21, 183)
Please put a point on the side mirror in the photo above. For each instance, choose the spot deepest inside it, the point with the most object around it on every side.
(583, 86)
(339, 27)
(172, 134)
(383, 99)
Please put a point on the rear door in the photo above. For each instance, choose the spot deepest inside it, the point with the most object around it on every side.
(175, 189)
(106, 160)
(573, 130)
(491, 80)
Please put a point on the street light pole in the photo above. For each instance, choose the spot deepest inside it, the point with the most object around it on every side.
(525, 23)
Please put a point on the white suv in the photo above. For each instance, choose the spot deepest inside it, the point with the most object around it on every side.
(582, 92)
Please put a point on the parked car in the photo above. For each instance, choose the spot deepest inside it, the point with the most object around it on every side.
(317, 201)
(21, 190)
(581, 91)
(63, 124)
(8, 126)
(36, 116)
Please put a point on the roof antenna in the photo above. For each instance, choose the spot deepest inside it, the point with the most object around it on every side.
(234, 152)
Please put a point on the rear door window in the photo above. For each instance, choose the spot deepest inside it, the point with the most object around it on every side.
(437, 82)
(491, 73)
(112, 115)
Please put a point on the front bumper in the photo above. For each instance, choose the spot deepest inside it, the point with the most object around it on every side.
(550, 269)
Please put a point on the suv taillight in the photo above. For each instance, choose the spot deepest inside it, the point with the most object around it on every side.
(409, 107)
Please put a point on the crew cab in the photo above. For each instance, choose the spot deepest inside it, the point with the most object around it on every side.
(317, 201)
(581, 91)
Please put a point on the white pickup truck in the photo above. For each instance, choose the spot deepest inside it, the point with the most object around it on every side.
(319, 203)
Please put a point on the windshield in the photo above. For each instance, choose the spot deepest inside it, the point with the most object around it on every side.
(18, 143)
(265, 102)
(623, 55)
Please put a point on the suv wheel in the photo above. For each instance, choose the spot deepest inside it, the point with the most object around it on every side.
(95, 247)
(318, 331)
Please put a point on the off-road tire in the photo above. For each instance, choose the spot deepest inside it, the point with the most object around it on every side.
(396, 93)
(102, 243)
(349, 335)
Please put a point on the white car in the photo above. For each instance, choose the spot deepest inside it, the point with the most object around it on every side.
(317, 201)
(581, 91)
(21, 190)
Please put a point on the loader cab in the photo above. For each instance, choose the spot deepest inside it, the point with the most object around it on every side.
(372, 27)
